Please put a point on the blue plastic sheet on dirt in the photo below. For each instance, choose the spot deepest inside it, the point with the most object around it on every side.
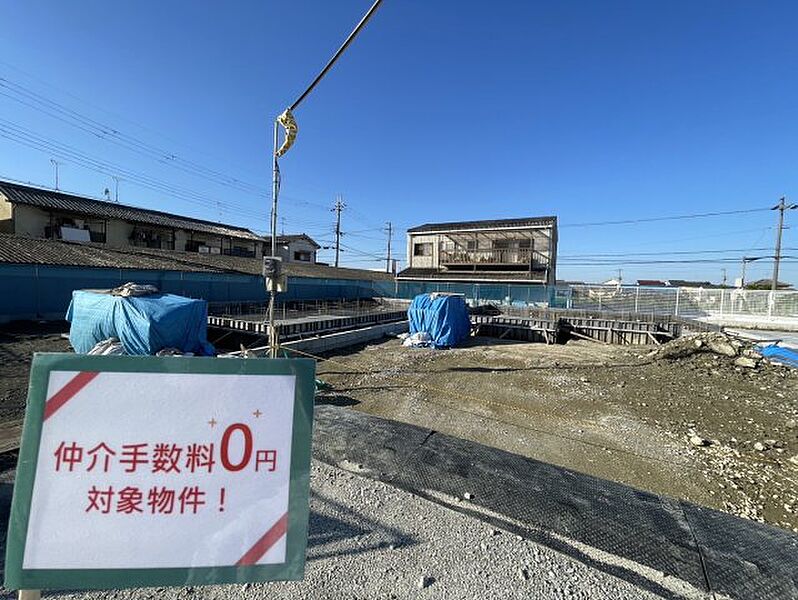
(786, 356)
(445, 318)
(144, 324)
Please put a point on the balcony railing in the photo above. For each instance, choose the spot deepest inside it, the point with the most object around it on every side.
(516, 257)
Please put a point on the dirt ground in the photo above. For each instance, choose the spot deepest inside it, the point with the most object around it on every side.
(609, 411)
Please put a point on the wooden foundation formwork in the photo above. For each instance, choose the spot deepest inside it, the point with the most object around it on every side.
(514, 328)
(299, 328)
(559, 328)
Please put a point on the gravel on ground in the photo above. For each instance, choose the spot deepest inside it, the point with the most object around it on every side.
(369, 540)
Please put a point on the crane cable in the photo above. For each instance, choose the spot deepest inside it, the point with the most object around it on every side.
(286, 119)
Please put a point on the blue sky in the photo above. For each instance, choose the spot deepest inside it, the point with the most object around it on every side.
(440, 111)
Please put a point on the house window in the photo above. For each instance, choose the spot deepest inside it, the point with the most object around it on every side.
(471, 244)
(195, 245)
(501, 244)
(302, 255)
(423, 249)
(525, 243)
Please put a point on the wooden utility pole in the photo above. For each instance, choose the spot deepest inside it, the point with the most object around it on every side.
(388, 260)
(781, 207)
(339, 206)
(742, 273)
(55, 164)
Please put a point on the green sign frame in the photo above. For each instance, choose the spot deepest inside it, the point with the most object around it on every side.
(75, 579)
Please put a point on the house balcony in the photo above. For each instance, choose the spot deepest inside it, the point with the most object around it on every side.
(511, 259)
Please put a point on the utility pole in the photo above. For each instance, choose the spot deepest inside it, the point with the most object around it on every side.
(55, 163)
(388, 260)
(620, 277)
(339, 206)
(286, 120)
(723, 278)
(742, 273)
(282, 225)
(116, 188)
(781, 207)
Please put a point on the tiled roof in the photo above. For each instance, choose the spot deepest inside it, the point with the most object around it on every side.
(416, 273)
(287, 239)
(490, 224)
(33, 251)
(54, 200)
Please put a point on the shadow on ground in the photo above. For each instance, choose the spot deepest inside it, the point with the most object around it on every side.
(337, 530)
(669, 547)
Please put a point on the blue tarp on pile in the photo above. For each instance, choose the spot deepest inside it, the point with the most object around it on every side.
(144, 324)
(445, 318)
(786, 356)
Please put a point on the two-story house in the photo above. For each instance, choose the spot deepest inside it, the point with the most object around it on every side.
(504, 250)
(31, 211)
(297, 248)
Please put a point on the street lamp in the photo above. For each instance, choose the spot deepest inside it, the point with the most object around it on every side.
(272, 271)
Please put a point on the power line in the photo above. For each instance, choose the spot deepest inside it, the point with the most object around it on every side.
(372, 256)
(107, 132)
(707, 261)
(123, 117)
(70, 154)
(669, 218)
(64, 114)
(661, 253)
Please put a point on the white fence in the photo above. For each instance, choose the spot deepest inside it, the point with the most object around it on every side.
(688, 302)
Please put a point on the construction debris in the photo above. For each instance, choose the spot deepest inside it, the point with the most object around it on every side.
(110, 346)
(134, 289)
(711, 342)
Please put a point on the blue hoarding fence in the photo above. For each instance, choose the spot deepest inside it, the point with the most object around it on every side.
(44, 292)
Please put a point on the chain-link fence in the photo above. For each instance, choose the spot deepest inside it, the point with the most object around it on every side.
(680, 301)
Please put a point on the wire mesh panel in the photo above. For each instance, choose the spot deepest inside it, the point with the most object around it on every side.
(683, 301)
(481, 293)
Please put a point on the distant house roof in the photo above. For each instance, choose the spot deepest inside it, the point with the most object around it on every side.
(651, 282)
(491, 224)
(16, 249)
(765, 284)
(18, 193)
(688, 283)
(287, 239)
(416, 273)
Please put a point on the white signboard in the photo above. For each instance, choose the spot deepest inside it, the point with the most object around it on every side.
(151, 472)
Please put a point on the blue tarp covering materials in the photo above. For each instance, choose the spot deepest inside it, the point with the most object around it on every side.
(144, 324)
(786, 356)
(444, 317)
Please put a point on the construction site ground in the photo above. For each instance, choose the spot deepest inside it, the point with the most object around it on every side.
(609, 411)
(613, 412)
